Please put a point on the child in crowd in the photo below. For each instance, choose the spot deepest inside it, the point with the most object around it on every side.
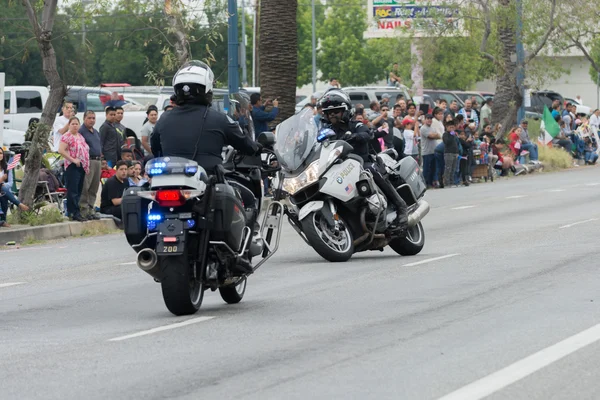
(450, 152)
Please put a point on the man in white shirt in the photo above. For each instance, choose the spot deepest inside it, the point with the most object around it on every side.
(61, 124)
(595, 121)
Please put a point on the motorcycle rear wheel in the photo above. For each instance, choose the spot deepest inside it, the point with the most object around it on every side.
(182, 293)
(332, 247)
(233, 294)
(412, 243)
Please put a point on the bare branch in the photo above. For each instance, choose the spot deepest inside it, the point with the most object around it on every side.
(487, 26)
(544, 39)
(577, 43)
(32, 17)
(49, 15)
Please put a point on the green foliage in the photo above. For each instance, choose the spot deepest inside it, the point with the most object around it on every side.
(452, 63)
(343, 52)
(41, 216)
(595, 54)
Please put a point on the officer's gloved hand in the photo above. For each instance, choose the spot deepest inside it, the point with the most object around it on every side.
(259, 148)
(348, 135)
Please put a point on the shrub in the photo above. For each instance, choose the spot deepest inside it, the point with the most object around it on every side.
(45, 216)
(554, 158)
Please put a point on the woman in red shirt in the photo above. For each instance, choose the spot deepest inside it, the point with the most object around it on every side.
(76, 154)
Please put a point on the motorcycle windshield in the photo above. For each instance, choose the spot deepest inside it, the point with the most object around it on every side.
(296, 137)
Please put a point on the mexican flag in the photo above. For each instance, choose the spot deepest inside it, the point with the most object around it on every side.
(549, 128)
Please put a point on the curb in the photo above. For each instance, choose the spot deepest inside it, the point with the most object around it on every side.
(53, 231)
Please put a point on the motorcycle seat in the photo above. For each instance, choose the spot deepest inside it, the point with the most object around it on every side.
(356, 157)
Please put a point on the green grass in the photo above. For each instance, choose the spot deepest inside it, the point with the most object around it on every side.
(30, 241)
(37, 218)
(97, 229)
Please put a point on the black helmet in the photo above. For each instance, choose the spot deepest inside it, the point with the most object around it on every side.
(337, 99)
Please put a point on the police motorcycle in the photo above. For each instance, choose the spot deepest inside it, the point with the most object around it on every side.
(336, 207)
(191, 231)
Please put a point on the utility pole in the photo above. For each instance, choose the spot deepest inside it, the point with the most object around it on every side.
(244, 72)
(520, 60)
(314, 49)
(232, 52)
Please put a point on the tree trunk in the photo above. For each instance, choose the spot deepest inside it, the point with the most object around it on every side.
(182, 45)
(278, 54)
(507, 99)
(43, 36)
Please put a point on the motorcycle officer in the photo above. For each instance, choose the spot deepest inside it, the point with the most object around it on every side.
(195, 131)
(337, 115)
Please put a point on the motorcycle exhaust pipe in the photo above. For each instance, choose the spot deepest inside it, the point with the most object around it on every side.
(147, 260)
(420, 212)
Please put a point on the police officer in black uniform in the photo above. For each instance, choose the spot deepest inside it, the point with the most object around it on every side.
(195, 131)
(337, 115)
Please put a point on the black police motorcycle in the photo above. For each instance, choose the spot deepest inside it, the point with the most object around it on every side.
(192, 231)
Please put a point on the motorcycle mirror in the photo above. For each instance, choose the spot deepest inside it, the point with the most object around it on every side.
(266, 139)
(325, 134)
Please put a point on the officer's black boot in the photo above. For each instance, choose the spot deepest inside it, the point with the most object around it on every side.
(401, 221)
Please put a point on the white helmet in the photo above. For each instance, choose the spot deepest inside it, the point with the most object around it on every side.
(191, 76)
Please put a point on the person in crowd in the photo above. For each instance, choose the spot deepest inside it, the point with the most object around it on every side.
(411, 137)
(168, 108)
(91, 182)
(333, 83)
(469, 113)
(110, 138)
(452, 109)
(148, 128)
(61, 124)
(562, 139)
(261, 117)
(487, 132)
(486, 113)
(430, 138)
(114, 101)
(450, 152)
(106, 171)
(112, 191)
(6, 195)
(134, 172)
(76, 155)
(595, 121)
(466, 147)
(504, 162)
(31, 128)
(126, 154)
(394, 75)
(590, 151)
(527, 144)
(119, 127)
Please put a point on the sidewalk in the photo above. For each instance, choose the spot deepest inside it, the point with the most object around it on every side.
(18, 233)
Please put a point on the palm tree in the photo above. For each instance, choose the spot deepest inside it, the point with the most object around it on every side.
(278, 53)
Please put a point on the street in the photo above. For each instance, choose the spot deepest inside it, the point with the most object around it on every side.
(508, 270)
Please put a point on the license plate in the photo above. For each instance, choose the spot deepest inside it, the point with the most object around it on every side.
(165, 249)
(171, 249)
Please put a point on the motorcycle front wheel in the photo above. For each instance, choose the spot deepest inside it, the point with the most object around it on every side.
(182, 293)
(332, 246)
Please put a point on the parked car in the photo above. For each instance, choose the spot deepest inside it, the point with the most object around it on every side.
(468, 95)
(581, 109)
(447, 95)
(542, 98)
(366, 94)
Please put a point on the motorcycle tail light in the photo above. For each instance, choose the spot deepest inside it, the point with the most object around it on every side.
(170, 198)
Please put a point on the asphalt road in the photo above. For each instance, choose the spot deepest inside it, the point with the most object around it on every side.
(502, 302)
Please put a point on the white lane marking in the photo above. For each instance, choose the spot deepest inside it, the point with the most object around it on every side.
(428, 260)
(129, 263)
(578, 223)
(556, 190)
(592, 184)
(525, 367)
(161, 329)
(517, 197)
(462, 207)
(3, 285)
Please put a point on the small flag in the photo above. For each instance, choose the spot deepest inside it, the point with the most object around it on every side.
(349, 188)
(549, 128)
(14, 162)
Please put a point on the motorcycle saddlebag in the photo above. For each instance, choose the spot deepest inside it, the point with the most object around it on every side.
(229, 217)
(134, 210)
